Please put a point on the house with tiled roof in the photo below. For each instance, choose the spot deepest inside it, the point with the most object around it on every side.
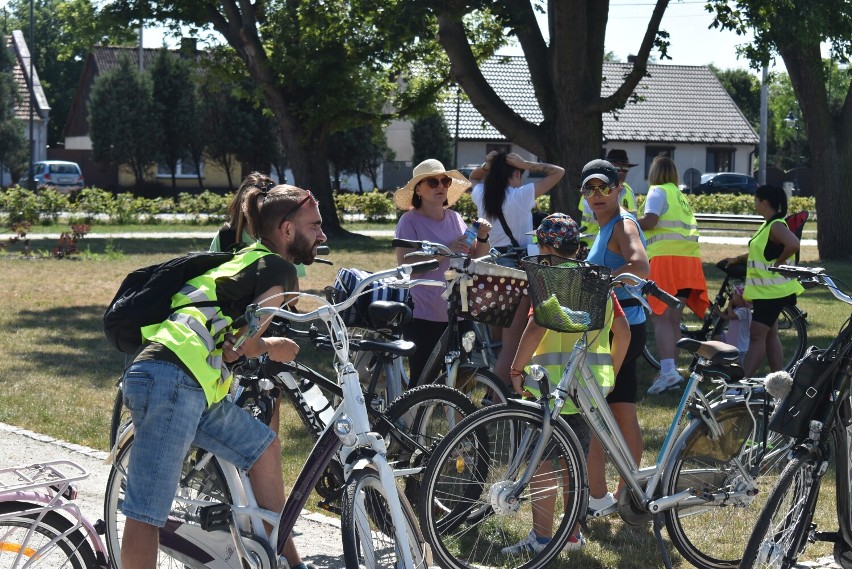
(40, 108)
(78, 142)
(682, 112)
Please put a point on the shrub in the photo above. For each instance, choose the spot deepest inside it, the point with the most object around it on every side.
(21, 206)
(375, 205)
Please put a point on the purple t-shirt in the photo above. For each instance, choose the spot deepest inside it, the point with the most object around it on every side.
(428, 302)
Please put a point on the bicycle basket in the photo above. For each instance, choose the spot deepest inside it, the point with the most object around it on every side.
(487, 292)
(567, 295)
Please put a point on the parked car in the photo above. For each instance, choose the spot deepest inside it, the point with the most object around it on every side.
(726, 183)
(65, 177)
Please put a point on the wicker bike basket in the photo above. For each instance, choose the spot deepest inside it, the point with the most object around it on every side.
(487, 292)
(567, 295)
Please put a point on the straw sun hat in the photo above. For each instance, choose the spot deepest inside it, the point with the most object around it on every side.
(431, 169)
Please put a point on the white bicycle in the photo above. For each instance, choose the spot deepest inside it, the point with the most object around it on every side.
(215, 520)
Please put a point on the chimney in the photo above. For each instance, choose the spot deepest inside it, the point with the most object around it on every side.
(188, 47)
(631, 58)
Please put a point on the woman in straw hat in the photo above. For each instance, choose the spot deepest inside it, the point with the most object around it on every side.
(502, 197)
(425, 200)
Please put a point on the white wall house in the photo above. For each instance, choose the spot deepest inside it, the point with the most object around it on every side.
(682, 111)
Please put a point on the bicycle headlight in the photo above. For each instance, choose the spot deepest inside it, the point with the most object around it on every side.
(537, 372)
(343, 429)
(468, 340)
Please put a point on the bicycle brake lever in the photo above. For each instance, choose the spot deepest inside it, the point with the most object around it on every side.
(253, 325)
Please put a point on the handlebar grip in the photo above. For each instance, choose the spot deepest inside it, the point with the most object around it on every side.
(655, 291)
(424, 266)
(407, 243)
(322, 250)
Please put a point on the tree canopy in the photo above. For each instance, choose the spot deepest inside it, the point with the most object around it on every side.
(795, 31)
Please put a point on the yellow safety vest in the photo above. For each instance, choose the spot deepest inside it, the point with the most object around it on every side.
(761, 283)
(554, 351)
(590, 222)
(194, 333)
(676, 232)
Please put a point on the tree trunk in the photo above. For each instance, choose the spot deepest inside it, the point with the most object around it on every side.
(833, 205)
(310, 172)
(571, 145)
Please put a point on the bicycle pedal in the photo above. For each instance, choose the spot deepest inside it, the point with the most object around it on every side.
(330, 507)
(215, 517)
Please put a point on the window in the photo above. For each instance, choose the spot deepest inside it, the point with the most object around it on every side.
(185, 169)
(652, 152)
(720, 160)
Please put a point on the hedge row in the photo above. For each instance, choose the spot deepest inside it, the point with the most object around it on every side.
(93, 205)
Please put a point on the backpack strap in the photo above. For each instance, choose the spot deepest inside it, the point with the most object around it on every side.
(506, 229)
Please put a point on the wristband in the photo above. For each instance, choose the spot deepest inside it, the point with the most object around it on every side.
(481, 240)
(515, 373)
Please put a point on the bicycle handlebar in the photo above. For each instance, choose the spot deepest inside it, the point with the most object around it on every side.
(402, 272)
(810, 277)
(644, 287)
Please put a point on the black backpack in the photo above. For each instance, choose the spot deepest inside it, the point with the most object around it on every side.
(145, 296)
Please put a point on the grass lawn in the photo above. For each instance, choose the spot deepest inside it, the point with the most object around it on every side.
(57, 372)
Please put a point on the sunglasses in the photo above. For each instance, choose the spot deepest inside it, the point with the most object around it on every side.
(589, 191)
(434, 182)
(623, 170)
(308, 198)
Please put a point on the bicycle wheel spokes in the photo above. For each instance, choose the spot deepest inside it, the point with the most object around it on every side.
(469, 511)
(779, 533)
(793, 333)
(731, 476)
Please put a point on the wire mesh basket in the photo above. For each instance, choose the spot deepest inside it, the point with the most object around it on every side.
(487, 292)
(567, 295)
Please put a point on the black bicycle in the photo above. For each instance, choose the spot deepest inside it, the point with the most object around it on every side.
(792, 324)
(818, 411)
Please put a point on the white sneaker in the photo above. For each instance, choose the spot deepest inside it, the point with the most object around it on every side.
(664, 381)
(601, 506)
(529, 544)
(575, 542)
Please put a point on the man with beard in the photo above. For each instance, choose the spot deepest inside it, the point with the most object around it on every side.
(177, 385)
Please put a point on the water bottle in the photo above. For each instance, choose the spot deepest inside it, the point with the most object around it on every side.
(471, 234)
(318, 402)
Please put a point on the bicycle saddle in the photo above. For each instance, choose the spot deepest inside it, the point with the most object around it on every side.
(716, 352)
(389, 314)
(396, 347)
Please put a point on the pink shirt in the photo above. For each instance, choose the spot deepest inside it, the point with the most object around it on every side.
(428, 302)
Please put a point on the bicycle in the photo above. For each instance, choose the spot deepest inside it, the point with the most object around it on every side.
(483, 484)
(459, 358)
(215, 518)
(786, 525)
(792, 324)
(41, 525)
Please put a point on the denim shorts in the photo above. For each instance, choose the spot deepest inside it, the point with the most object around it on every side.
(170, 413)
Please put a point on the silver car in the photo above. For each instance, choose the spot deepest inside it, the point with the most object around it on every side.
(65, 177)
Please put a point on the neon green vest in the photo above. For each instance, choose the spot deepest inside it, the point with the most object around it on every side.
(761, 283)
(676, 232)
(590, 222)
(554, 351)
(195, 333)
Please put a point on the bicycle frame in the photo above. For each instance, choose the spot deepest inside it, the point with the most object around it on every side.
(52, 491)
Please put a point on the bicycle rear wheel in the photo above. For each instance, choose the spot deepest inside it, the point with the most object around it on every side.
(17, 548)
(690, 327)
(793, 332)
(368, 531)
(207, 484)
(736, 466)
(467, 512)
(779, 535)
(415, 423)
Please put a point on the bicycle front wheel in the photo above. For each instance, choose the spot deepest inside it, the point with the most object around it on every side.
(19, 547)
(415, 423)
(206, 485)
(472, 510)
(793, 333)
(779, 535)
(368, 529)
(482, 386)
(732, 474)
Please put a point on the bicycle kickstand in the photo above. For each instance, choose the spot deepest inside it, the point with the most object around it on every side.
(658, 526)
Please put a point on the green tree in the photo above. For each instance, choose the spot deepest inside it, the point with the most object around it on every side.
(229, 126)
(65, 32)
(431, 138)
(315, 63)
(795, 31)
(566, 73)
(173, 103)
(744, 89)
(13, 143)
(120, 110)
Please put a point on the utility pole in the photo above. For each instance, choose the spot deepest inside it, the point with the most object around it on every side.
(31, 181)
